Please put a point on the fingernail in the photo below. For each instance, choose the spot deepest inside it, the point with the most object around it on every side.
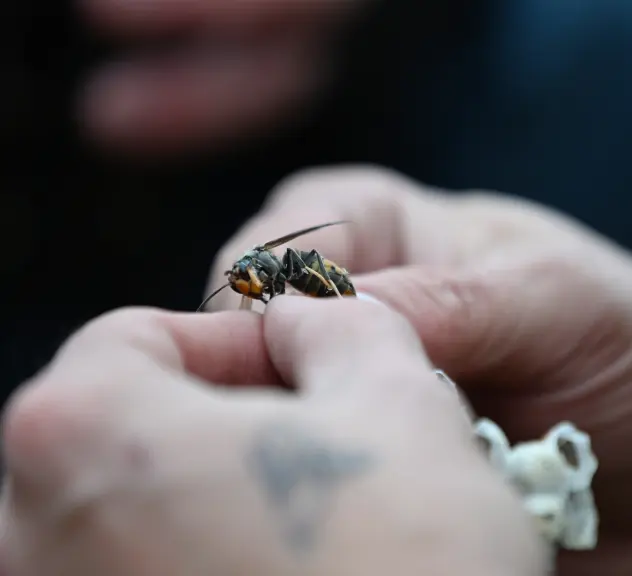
(368, 298)
(446, 379)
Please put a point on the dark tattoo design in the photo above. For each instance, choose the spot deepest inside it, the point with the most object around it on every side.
(299, 473)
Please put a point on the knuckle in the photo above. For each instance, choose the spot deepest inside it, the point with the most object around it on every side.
(299, 184)
(383, 317)
(65, 409)
(372, 179)
(370, 324)
(39, 422)
(373, 198)
(130, 323)
(122, 318)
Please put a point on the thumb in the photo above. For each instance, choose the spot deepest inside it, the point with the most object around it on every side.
(479, 326)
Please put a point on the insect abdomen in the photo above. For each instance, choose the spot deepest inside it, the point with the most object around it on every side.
(340, 277)
(312, 286)
(309, 285)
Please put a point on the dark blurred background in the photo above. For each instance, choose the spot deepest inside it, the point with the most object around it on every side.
(529, 97)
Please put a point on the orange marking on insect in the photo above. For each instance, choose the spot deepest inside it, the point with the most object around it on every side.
(256, 286)
(242, 287)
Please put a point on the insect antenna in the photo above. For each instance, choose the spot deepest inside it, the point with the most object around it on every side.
(206, 300)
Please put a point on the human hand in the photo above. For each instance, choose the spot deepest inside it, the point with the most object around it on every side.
(127, 457)
(530, 312)
(237, 68)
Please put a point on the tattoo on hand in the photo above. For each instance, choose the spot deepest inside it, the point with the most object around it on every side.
(299, 474)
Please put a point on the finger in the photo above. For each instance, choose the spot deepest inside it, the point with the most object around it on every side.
(458, 314)
(508, 328)
(133, 17)
(220, 348)
(395, 222)
(380, 205)
(362, 364)
(200, 94)
(531, 344)
(112, 371)
(356, 355)
(470, 321)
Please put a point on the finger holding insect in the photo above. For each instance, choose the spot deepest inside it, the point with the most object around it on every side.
(394, 222)
(372, 204)
(260, 275)
(358, 355)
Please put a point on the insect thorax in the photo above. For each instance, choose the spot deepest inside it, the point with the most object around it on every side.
(262, 260)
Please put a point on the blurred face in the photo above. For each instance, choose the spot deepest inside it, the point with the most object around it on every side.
(238, 69)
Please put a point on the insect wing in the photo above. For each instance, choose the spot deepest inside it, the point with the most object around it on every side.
(293, 235)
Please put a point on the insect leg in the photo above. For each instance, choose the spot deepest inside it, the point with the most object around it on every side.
(270, 296)
(319, 258)
(254, 279)
(246, 303)
(294, 258)
(288, 260)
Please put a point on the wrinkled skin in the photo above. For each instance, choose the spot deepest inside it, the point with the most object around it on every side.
(530, 312)
(124, 456)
